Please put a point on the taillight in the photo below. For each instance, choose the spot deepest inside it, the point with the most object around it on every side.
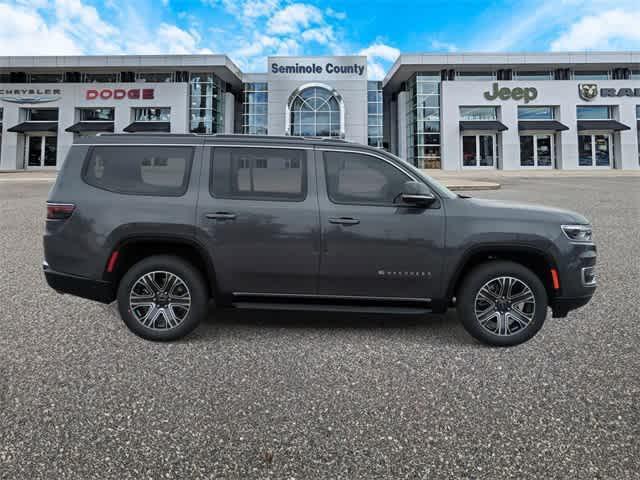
(59, 211)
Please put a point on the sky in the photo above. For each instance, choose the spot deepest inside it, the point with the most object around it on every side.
(250, 30)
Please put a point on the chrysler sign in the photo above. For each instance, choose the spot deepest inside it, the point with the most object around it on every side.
(30, 95)
(121, 94)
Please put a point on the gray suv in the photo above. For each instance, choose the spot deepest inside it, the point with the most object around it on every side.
(163, 224)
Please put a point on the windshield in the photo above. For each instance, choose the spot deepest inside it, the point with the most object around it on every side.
(433, 183)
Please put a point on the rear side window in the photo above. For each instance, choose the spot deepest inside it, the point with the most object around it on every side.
(259, 173)
(140, 170)
(359, 179)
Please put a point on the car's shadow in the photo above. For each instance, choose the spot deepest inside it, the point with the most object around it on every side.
(444, 328)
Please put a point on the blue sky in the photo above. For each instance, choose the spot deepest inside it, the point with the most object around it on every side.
(250, 30)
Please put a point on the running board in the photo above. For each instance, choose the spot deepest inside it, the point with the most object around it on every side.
(321, 307)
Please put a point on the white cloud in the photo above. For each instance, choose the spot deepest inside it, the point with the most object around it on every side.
(443, 46)
(332, 13)
(293, 18)
(379, 55)
(321, 35)
(612, 29)
(25, 32)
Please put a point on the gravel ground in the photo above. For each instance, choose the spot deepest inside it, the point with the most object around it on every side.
(272, 395)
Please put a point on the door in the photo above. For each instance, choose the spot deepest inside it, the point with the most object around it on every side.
(41, 151)
(537, 150)
(373, 246)
(258, 215)
(595, 150)
(479, 150)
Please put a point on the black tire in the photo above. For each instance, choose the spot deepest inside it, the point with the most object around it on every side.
(473, 283)
(197, 291)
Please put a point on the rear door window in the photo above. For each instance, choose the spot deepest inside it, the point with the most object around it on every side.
(140, 170)
(259, 173)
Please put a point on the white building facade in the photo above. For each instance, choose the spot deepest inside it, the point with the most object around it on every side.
(452, 112)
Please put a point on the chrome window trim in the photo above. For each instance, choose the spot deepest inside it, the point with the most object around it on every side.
(361, 152)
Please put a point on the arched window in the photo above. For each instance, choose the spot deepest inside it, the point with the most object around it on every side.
(315, 111)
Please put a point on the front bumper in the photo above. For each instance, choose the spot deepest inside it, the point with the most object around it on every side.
(97, 290)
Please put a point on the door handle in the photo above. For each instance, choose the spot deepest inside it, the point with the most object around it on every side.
(221, 216)
(344, 220)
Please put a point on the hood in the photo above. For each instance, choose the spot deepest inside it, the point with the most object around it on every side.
(507, 209)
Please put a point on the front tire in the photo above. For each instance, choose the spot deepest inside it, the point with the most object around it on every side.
(162, 298)
(502, 303)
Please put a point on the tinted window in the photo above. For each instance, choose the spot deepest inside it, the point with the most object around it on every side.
(259, 173)
(145, 170)
(362, 179)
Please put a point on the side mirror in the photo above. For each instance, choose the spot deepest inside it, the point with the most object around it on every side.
(417, 194)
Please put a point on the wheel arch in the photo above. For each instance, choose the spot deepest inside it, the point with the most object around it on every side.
(538, 261)
(134, 248)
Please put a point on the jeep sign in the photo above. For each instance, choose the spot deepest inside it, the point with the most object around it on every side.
(517, 93)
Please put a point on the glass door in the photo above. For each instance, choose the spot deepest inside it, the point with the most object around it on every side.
(595, 150)
(479, 150)
(41, 151)
(537, 150)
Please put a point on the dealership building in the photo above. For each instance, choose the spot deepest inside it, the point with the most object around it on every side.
(442, 111)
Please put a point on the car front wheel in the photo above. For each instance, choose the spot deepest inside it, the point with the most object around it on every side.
(162, 298)
(502, 303)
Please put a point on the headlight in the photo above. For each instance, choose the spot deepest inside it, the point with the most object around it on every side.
(578, 233)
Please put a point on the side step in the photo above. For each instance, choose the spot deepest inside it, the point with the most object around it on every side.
(322, 307)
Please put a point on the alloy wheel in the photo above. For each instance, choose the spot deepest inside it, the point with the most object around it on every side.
(505, 306)
(160, 300)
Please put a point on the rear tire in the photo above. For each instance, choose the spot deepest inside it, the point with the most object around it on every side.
(162, 298)
(502, 303)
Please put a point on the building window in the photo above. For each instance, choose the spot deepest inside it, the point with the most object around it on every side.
(315, 111)
(42, 115)
(637, 118)
(206, 103)
(374, 111)
(534, 75)
(536, 113)
(97, 114)
(536, 150)
(592, 75)
(476, 75)
(595, 150)
(635, 75)
(478, 113)
(155, 77)
(46, 77)
(594, 112)
(107, 77)
(479, 150)
(255, 98)
(423, 120)
(152, 114)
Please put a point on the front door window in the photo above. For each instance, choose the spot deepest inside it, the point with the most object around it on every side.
(479, 150)
(594, 150)
(536, 150)
(42, 151)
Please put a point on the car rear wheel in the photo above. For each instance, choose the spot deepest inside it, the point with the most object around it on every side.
(162, 298)
(502, 303)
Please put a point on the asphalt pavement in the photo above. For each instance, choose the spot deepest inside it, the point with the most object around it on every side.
(326, 396)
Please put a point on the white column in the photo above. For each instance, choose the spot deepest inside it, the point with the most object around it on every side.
(510, 153)
(402, 125)
(568, 150)
(392, 127)
(10, 144)
(626, 154)
(229, 112)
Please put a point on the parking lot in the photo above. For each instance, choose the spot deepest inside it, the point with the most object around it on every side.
(299, 395)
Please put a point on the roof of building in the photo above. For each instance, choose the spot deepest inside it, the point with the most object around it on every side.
(409, 63)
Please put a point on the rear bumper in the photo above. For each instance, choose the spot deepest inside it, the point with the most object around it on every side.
(97, 290)
(563, 305)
